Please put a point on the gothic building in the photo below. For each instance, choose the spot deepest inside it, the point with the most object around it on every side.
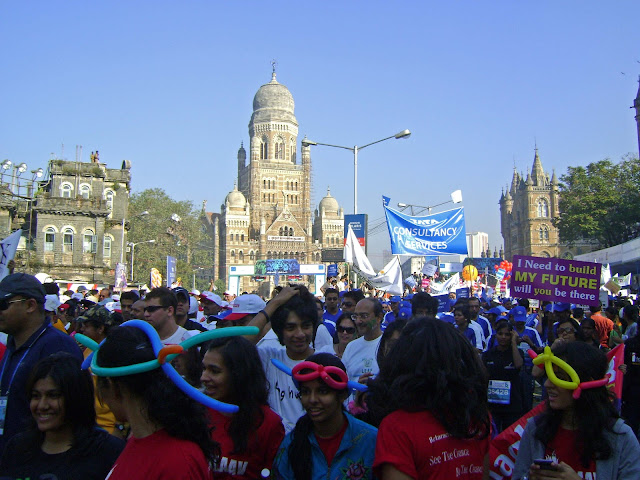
(268, 213)
(527, 210)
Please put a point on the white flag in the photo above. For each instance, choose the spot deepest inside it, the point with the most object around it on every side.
(389, 279)
(605, 274)
(9, 246)
(354, 254)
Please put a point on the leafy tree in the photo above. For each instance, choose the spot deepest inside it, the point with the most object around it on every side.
(600, 202)
(178, 231)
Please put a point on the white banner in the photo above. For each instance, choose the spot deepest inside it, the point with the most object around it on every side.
(429, 269)
(9, 246)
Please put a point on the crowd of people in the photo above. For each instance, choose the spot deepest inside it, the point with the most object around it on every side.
(97, 384)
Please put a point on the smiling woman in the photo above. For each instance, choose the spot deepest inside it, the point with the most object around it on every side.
(63, 441)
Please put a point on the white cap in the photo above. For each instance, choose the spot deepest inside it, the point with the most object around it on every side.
(245, 305)
(51, 302)
(212, 297)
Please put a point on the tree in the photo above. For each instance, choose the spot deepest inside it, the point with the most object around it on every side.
(600, 202)
(177, 229)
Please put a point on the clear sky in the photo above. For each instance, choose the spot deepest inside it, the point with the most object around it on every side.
(169, 86)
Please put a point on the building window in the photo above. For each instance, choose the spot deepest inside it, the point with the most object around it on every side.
(293, 152)
(252, 256)
(106, 248)
(67, 240)
(543, 234)
(543, 208)
(241, 256)
(279, 149)
(89, 242)
(66, 189)
(85, 191)
(49, 239)
(264, 150)
(109, 196)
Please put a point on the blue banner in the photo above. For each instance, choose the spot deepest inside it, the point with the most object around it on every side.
(332, 270)
(171, 271)
(358, 223)
(438, 234)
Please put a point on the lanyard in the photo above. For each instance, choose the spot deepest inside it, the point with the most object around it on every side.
(9, 354)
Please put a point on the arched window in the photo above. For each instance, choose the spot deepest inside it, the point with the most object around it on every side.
(252, 256)
(542, 208)
(67, 240)
(106, 248)
(293, 152)
(66, 189)
(109, 195)
(49, 239)
(290, 231)
(543, 233)
(242, 237)
(545, 255)
(233, 254)
(264, 149)
(89, 242)
(241, 256)
(279, 148)
(84, 191)
(264, 184)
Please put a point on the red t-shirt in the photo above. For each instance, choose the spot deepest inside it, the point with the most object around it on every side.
(160, 456)
(419, 446)
(261, 450)
(562, 447)
(330, 445)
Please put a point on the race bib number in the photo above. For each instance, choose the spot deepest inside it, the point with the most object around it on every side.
(499, 392)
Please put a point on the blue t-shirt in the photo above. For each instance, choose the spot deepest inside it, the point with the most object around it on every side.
(16, 367)
(330, 321)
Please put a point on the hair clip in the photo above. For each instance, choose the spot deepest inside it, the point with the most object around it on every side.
(549, 359)
(319, 371)
(164, 355)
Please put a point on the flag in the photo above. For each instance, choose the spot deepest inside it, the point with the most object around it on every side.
(9, 246)
(121, 276)
(354, 254)
(616, 358)
(605, 274)
(385, 201)
(503, 449)
(447, 286)
(389, 279)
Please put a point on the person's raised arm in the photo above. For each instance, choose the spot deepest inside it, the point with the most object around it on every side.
(263, 317)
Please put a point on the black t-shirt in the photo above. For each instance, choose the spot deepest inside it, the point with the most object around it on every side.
(90, 461)
(500, 367)
(631, 384)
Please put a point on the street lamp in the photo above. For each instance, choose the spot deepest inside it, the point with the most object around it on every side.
(456, 197)
(133, 252)
(306, 143)
(141, 214)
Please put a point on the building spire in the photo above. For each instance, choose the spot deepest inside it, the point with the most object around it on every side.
(273, 72)
(537, 172)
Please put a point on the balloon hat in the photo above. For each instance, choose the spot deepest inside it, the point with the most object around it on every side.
(549, 359)
(164, 353)
(327, 374)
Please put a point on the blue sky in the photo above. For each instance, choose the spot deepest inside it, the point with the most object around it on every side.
(169, 86)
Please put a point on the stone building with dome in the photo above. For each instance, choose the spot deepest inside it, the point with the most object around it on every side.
(527, 210)
(268, 214)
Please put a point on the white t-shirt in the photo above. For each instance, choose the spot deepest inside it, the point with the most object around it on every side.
(481, 342)
(270, 338)
(284, 397)
(323, 338)
(360, 357)
(180, 335)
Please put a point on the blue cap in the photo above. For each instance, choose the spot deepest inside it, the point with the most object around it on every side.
(404, 313)
(22, 284)
(405, 304)
(395, 299)
(561, 307)
(408, 297)
(499, 311)
(519, 314)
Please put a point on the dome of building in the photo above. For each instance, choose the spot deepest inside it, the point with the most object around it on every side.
(273, 102)
(329, 204)
(235, 198)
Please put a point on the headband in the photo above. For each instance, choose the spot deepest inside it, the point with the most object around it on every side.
(549, 359)
(319, 371)
(164, 353)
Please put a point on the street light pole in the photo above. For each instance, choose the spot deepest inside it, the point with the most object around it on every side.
(306, 143)
(133, 252)
(124, 219)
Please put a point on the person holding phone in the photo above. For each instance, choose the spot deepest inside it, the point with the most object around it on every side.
(580, 431)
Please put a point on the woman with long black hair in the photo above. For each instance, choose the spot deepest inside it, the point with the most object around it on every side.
(431, 394)
(63, 440)
(249, 439)
(326, 442)
(170, 436)
(580, 433)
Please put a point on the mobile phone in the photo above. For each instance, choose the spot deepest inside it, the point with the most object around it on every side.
(545, 464)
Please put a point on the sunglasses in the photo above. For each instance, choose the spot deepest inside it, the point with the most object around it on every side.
(349, 330)
(153, 308)
(4, 304)
(566, 330)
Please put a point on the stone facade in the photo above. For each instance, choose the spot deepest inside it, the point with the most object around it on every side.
(71, 221)
(527, 210)
(268, 213)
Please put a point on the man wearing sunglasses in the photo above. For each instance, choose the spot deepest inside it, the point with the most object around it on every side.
(31, 338)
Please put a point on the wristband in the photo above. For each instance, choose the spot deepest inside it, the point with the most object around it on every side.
(266, 315)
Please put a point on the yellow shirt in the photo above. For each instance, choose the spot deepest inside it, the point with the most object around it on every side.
(104, 417)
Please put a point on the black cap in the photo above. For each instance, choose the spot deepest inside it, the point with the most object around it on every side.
(181, 291)
(22, 284)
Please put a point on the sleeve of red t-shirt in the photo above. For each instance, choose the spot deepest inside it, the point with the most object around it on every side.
(274, 435)
(395, 447)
